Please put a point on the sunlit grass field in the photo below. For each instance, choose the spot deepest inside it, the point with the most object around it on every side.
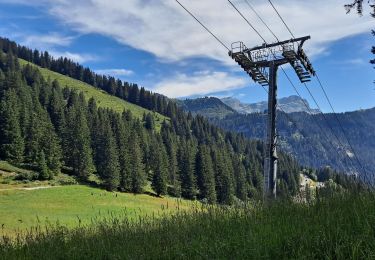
(102, 98)
(341, 227)
(76, 205)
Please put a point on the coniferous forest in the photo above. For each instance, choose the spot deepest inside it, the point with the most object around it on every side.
(53, 128)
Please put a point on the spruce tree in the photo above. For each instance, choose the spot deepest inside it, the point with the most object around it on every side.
(44, 173)
(186, 170)
(160, 171)
(205, 174)
(77, 145)
(242, 186)
(12, 144)
(122, 137)
(108, 168)
(224, 185)
(137, 174)
(149, 121)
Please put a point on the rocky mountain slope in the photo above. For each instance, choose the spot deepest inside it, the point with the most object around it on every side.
(288, 104)
(301, 136)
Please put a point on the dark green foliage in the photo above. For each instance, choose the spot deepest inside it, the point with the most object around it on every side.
(44, 173)
(188, 157)
(160, 170)
(77, 145)
(137, 175)
(174, 187)
(224, 183)
(11, 142)
(205, 174)
(241, 186)
(108, 167)
(149, 121)
(325, 174)
(305, 142)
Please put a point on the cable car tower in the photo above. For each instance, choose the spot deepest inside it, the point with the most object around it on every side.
(261, 64)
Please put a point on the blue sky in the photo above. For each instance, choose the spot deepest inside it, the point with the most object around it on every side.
(157, 45)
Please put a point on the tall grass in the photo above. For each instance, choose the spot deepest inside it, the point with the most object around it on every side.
(341, 227)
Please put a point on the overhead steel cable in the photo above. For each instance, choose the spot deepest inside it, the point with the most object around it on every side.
(329, 102)
(315, 119)
(261, 19)
(287, 75)
(208, 30)
(281, 18)
(340, 124)
(238, 11)
(192, 15)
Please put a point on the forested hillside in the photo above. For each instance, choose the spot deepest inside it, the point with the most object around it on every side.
(208, 107)
(301, 136)
(51, 128)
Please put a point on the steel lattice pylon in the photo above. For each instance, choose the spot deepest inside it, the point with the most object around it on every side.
(261, 64)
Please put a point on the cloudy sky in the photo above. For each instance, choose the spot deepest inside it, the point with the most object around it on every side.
(156, 44)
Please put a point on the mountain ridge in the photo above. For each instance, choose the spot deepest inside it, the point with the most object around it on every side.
(289, 104)
(304, 139)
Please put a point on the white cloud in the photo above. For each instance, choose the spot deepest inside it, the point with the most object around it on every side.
(46, 41)
(163, 28)
(115, 72)
(183, 85)
(80, 58)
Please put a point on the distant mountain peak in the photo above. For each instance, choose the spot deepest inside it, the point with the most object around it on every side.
(289, 104)
(207, 106)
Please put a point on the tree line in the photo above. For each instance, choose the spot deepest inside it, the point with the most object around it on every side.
(124, 90)
(55, 128)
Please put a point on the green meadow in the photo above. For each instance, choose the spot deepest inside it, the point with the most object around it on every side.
(102, 98)
(339, 227)
(74, 205)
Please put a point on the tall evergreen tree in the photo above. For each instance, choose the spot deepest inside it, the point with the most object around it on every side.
(12, 144)
(160, 170)
(137, 174)
(224, 185)
(186, 157)
(44, 173)
(205, 174)
(242, 186)
(77, 145)
(122, 137)
(108, 167)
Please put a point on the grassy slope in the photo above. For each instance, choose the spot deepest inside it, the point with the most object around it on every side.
(339, 228)
(21, 209)
(102, 98)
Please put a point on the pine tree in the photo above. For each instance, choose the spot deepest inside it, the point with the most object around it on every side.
(240, 177)
(224, 185)
(77, 147)
(205, 174)
(108, 168)
(12, 144)
(44, 173)
(174, 188)
(122, 137)
(160, 170)
(137, 173)
(186, 170)
(149, 121)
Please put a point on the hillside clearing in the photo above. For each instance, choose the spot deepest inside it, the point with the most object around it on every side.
(76, 205)
(102, 98)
